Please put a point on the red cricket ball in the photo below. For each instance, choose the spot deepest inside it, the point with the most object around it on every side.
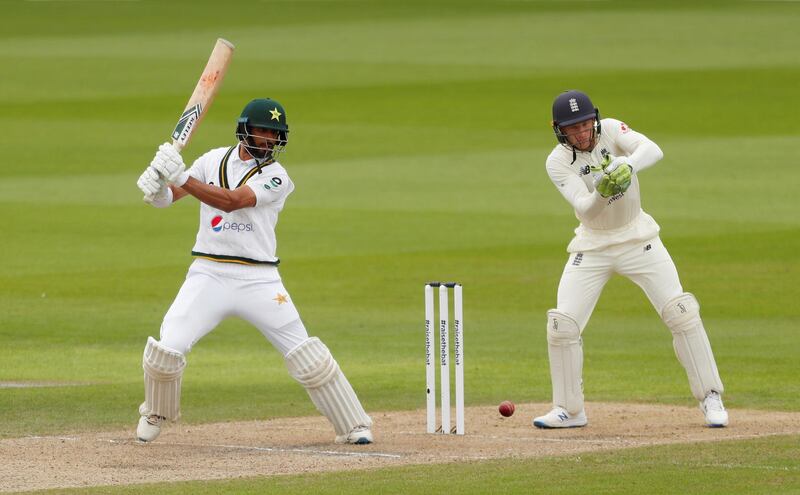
(506, 408)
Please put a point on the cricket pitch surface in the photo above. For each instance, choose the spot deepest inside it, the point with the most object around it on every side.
(304, 445)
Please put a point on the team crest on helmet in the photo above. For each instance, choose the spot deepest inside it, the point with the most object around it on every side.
(573, 105)
(276, 114)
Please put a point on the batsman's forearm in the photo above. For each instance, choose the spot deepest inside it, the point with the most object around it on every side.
(218, 197)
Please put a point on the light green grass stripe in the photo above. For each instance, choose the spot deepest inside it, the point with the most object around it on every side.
(511, 181)
(732, 39)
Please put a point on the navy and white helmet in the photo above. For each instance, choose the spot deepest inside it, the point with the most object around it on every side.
(571, 107)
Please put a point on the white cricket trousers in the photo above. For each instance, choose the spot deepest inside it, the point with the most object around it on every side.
(214, 291)
(646, 263)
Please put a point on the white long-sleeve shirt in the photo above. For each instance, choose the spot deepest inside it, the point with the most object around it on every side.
(605, 221)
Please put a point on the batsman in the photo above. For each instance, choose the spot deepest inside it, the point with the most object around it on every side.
(241, 189)
(596, 167)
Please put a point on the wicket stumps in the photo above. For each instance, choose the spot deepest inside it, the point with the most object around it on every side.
(444, 356)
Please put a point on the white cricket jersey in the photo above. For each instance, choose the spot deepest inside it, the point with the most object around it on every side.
(605, 221)
(247, 235)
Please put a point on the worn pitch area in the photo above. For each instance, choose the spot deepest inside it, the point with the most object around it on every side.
(302, 445)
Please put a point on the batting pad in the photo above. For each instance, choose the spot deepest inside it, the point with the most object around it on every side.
(682, 315)
(313, 366)
(163, 369)
(565, 349)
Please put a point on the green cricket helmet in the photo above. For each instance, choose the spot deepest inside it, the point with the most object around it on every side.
(263, 113)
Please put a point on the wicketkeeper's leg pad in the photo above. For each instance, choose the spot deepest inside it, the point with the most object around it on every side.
(163, 370)
(313, 366)
(565, 349)
(682, 315)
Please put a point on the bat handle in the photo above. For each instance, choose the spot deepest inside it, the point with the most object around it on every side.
(178, 146)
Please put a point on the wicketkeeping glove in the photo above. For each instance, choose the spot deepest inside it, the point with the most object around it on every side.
(603, 164)
(169, 163)
(605, 186)
(602, 181)
(620, 172)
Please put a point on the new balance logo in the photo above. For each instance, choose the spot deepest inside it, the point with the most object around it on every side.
(563, 416)
(576, 261)
(573, 105)
(648, 247)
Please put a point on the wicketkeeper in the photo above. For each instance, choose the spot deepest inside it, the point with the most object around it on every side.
(597, 173)
(241, 189)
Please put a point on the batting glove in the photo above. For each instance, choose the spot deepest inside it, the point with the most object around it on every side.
(149, 182)
(162, 197)
(169, 163)
(155, 188)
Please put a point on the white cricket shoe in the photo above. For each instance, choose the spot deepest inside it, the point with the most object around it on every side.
(360, 435)
(716, 415)
(560, 418)
(149, 428)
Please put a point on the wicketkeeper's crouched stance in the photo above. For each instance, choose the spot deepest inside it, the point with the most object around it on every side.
(597, 174)
(242, 189)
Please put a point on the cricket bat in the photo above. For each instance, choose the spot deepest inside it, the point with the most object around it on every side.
(203, 94)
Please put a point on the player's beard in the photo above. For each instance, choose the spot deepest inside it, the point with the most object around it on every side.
(260, 154)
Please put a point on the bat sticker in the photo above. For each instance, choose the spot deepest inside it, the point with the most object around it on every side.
(186, 123)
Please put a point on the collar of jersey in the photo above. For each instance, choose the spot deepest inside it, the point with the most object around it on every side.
(223, 167)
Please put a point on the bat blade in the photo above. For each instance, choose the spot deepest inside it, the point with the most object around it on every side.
(204, 93)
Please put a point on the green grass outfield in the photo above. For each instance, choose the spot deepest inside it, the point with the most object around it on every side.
(418, 137)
